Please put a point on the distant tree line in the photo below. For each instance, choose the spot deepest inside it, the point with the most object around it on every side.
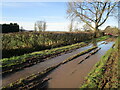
(8, 28)
(112, 30)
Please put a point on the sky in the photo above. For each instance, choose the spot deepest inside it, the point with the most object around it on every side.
(27, 13)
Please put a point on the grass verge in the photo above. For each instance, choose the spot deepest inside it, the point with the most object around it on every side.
(105, 72)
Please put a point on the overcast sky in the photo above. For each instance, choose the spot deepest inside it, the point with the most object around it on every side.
(27, 13)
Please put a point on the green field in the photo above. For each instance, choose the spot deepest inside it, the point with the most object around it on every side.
(19, 62)
(15, 44)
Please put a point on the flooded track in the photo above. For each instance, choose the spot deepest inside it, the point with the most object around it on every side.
(72, 74)
(68, 75)
(39, 67)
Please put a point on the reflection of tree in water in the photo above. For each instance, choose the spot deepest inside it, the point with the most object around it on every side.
(94, 42)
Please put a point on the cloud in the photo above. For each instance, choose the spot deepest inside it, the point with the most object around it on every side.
(56, 26)
(36, 0)
(53, 25)
(57, 0)
(53, 19)
(23, 4)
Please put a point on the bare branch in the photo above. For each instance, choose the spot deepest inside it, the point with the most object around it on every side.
(88, 12)
(108, 13)
(86, 22)
(80, 14)
(101, 13)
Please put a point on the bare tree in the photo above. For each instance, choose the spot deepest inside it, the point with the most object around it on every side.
(91, 12)
(86, 27)
(40, 25)
(35, 27)
(44, 26)
(76, 29)
(71, 26)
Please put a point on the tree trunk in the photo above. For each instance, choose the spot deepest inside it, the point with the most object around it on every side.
(96, 32)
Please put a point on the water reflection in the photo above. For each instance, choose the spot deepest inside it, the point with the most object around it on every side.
(62, 77)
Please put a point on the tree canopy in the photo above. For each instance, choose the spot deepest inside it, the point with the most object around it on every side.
(40, 25)
(91, 12)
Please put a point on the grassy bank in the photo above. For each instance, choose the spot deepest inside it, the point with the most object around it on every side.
(105, 72)
(16, 63)
(15, 44)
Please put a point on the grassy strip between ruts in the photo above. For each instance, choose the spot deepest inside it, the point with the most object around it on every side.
(105, 72)
(79, 54)
(19, 62)
(35, 79)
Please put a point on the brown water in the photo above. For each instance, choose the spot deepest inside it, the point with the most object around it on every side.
(72, 74)
(39, 67)
(68, 75)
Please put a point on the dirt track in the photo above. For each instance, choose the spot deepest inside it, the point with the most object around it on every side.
(68, 75)
(72, 74)
(39, 67)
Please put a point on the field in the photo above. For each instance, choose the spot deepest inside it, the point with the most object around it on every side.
(47, 45)
(19, 62)
(15, 44)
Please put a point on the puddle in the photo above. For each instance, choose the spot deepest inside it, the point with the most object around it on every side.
(39, 67)
(69, 75)
(72, 74)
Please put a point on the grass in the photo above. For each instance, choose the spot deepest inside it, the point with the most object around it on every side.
(15, 44)
(105, 72)
(102, 38)
(23, 58)
(79, 54)
(11, 64)
(24, 82)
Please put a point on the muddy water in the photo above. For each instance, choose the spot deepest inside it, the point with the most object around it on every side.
(72, 74)
(39, 67)
(68, 75)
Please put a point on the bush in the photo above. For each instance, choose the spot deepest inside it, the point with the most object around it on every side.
(25, 42)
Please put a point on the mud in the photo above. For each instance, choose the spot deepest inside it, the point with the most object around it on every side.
(39, 67)
(69, 75)
(72, 74)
